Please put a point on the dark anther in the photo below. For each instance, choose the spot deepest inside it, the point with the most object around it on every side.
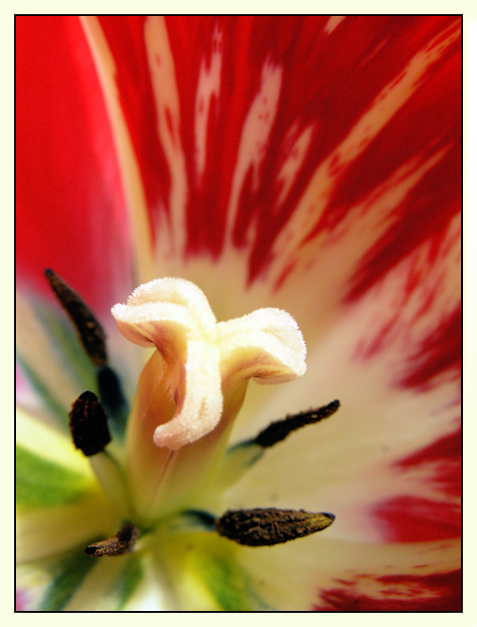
(279, 430)
(89, 424)
(266, 527)
(122, 542)
(89, 330)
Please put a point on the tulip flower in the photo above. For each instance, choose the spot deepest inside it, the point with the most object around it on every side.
(234, 188)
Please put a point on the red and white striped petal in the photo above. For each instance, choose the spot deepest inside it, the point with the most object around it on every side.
(394, 444)
(334, 575)
(306, 163)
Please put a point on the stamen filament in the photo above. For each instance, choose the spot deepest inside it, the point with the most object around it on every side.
(195, 519)
(113, 399)
(112, 480)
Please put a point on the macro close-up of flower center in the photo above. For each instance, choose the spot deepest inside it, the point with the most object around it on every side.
(238, 313)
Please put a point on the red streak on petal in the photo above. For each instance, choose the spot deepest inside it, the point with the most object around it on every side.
(437, 358)
(443, 458)
(366, 349)
(125, 37)
(432, 131)
(439, 353)
(441, 592)
(328, 82)
(415, 519)
(192, 43)
(334, 102)
(423, 215)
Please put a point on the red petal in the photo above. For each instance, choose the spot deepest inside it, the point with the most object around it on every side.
(70, 207)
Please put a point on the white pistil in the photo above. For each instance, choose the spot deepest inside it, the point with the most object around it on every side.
(205, 359)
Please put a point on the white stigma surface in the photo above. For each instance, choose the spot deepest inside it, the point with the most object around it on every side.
(205, 359)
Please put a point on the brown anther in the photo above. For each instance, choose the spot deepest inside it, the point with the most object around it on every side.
(89, 330)
(122, 542)
(89, 424)
(279, 430)
(266, 527)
